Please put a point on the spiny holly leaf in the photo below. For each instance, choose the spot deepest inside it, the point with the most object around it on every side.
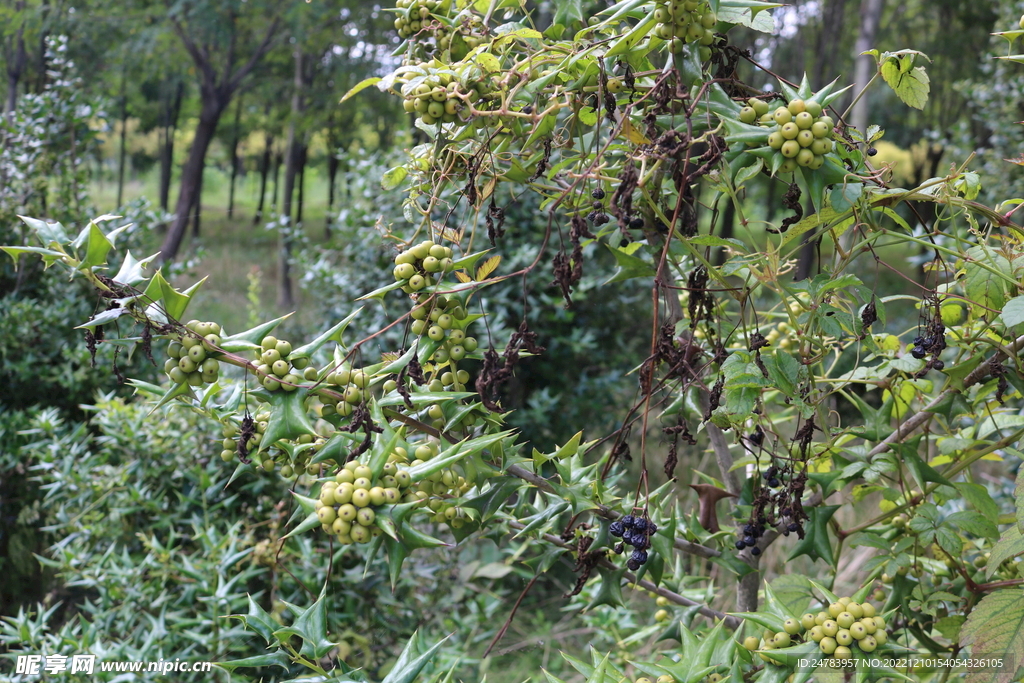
(610, 591)
(922, 471)
(995, 628)
(815, 543)
(307, 350)
(97, 247)
(250, 339)
(792, 592)
(409, 663)
(288, 419)
(258, 620)
(278, 658)
(311, 626)
(490, 501)
(50, 234)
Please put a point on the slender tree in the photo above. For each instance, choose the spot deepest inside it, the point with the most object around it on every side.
(220, 74)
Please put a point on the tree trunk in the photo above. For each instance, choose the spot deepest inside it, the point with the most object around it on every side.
(268, 141)
(303, 158)
(277, 174)
(171, 110)
(197, 201)
(16, 58)
(286, 298)
(864, 66)
(830, 35)
(234, 158)
(191, 175)
(332, 174)
(124, 134)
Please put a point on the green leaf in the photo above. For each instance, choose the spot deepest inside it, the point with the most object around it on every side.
(627, 42)
(972, 522)
(1013, 311)
(568, 12)
(359, 87)
(15, 252)
(490, 501)
(103, 317)
(311, 626)
(1018, 496)
(333, 334)
(97, 248)
(845, 196)
(815, 543)
(1010, 544)
(453, 454)
(130, 272)
(610, 591)
(311, 521)
(995, 628)
(49, 233)
(250, 339)
(258, 620)
(922, 471)
(288, 418)
(911, 85)
(793, 591)
(394, 177)
(278, 658)
(409, 664)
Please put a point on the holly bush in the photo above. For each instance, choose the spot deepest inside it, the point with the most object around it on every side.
(848, 433)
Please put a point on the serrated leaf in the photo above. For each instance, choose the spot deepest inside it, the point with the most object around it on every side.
(1010, 545)
(793, 592)
(251, 338)
(995, 628)
(393, 177)
(311, 627)
(307, 350)
(288, 417)
(96, 249)
(278, 658)
(487, 267)
(409, 664)
(910, 85)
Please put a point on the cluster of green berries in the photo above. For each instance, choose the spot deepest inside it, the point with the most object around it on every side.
(414, 15)
(685, 21)
(422, 265)
(352, 384)
(440, 319)
(802, 134)
(276, 370)
(439, 99)
(845, 628)
(347, 505)
(436, 491)
(229, 433)
(189, 359)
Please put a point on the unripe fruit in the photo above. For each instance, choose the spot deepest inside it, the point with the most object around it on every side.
(880, 637)
(280, 368)
(816, 634)
(366, 516)
(845, 620)
(661, 615)
(858, 631)
(828, 645)
(748, 115)
(835, 609)
(791, 626)
(867, 608)
(789, 131)
(868, 643)
(790, 149)
(377, 495)
(781, 640)
(830, 628)
(782, 116)
(668, 679)
(842, 652)
(751, 643)
(760, 106)
(343, 494)
(821, 617)
(855, 609)
(326, 515)
(469, 344)
(843, 637)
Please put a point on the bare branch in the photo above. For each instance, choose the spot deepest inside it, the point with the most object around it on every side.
(257, 55)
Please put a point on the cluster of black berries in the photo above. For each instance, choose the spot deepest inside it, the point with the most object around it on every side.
(637, 532)
(771, 476)
(751, 532)
(598, 215)
(931, 344)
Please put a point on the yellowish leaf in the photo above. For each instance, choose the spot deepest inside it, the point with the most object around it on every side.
(632, 134)
(487, 267)
(462, 277)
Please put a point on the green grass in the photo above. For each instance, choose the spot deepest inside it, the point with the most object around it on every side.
(230, 248)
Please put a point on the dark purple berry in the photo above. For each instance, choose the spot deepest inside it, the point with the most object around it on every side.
(597, 205)
(938, 364)
(918, 352)
(750, 540)
(773, 483)
(639, 555)
(618, 548)
(597, 193)
(740, 544)
(755, 551)
(748, 529)
(616, 529)
(918, 340)
(600, 218)
(640, 525)
(756, 438)
(793, 526)
(628, 521)
(636, 223)
(642, 543)
(872, 151)
(652, 528)
(632, 564)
